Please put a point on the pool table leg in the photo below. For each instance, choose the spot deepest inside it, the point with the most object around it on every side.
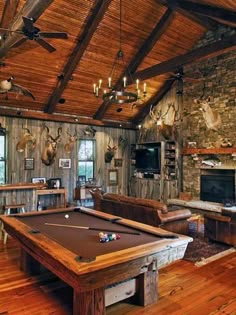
(28, 264)
(89, 302)
(147, 288)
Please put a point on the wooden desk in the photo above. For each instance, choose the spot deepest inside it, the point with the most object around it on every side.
(82, 193)
(61, 192)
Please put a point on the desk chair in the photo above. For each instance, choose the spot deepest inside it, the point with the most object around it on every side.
(7, 210)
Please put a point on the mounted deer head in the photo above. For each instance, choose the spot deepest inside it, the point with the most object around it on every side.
(122, 143)
(166, 131)
(110, 152)
(210, 116)
(50, 150)
(71, 141)
(27, 138)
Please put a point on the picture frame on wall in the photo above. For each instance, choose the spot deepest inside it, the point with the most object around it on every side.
(64, 163)
(112, 177)
(29, 163)
(118, 162)
(38, 180)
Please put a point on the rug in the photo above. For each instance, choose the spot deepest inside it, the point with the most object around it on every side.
(202, 248)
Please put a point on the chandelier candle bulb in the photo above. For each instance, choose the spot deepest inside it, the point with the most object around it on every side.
(94, 88)
(144, 87)
(100, 83)
(137, 83)
(109, 82)
(125, 80)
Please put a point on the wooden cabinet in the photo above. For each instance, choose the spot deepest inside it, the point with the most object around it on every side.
(144, 188)
(52, 198)
(162, 186)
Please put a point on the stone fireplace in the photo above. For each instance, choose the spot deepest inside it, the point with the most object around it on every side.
(217, 185)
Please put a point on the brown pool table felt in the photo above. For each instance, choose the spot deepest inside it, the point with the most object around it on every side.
(85, 243)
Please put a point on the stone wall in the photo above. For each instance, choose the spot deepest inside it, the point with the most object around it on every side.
(217, 81)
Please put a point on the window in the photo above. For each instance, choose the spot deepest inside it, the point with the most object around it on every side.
(2, 156)
(86, 158)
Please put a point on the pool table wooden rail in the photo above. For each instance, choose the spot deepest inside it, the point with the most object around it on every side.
(87, 279)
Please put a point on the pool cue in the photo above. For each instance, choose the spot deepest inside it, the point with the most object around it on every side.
(91, 228)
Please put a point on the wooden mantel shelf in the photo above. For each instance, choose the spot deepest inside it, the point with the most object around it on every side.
(187, 151)
(19, 186)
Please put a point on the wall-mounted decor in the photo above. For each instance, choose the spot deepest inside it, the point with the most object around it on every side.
(29, 163)
(65, 163)
(54, 183)
(118, 162)
(38, 180)
(81, 180)
(112, 177)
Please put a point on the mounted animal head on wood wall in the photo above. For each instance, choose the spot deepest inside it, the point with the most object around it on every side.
(27, 138)
(71, 141)
(50, 149)
(165, 130)
(122, 143)
(110, 152)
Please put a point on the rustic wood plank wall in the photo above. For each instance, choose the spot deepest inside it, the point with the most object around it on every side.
(15, 165)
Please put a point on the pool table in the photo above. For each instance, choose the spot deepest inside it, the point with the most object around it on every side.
(66, 242)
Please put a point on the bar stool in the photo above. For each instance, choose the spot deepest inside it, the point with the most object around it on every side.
(7, 210)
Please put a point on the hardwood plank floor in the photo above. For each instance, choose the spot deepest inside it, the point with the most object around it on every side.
(184, 289)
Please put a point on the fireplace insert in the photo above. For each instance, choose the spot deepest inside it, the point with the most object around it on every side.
(218, 186)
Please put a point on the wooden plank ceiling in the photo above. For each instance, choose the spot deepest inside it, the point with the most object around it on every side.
(157, 37)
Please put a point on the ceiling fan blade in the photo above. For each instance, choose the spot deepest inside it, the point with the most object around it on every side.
(29, 23)
(45, 45)
(193, 80)
(61, 35)
(19, 42)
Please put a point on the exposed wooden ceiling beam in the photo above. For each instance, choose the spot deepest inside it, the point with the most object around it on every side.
(207, 10)
(147, 46)
(153, 101)
(215, 49)
(33, 9)
(9, 12)
(201, 20)
(83, 42)
(64, 118)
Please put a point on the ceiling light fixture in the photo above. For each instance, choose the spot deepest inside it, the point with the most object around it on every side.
(118, 93)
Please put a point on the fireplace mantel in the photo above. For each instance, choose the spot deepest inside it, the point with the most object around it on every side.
(189, 151)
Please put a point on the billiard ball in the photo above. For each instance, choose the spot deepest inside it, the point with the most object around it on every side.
(67, 216)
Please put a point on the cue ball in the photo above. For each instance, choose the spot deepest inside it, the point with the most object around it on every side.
(67, 216)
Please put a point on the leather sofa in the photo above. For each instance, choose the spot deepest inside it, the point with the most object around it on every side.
(146, 211)
(221, 227)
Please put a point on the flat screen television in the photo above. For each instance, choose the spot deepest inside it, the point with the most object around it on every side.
(148, 159)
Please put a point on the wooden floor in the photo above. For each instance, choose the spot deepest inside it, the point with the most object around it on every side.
(183, 289)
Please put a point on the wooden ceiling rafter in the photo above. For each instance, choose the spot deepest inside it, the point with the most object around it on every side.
(214, 49)
(214, 12)
(202, 20)
(9, 12)
(93, 21)
(147, 46)
(38, 115)
(33, 9)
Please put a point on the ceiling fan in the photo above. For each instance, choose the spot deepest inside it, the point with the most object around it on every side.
(31, 32)
(179, 75)
(180, 78)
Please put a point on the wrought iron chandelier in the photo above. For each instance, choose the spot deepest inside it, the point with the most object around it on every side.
(117, 92)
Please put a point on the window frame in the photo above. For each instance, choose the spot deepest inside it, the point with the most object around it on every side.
(93, 160)
(4, 160)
